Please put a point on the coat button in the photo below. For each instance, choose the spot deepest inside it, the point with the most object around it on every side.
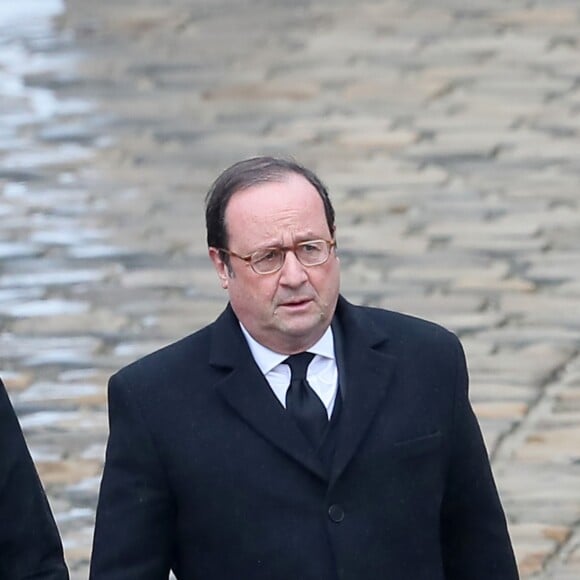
(336, 513)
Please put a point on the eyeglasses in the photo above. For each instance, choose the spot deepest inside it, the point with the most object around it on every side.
(270, 260)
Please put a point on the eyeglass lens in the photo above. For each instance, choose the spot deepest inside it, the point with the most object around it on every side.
(308, 254)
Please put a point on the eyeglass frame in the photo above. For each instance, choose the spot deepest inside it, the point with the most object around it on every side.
(248, 259)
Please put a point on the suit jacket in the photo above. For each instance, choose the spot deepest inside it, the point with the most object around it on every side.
(30, 546)
(206, 474)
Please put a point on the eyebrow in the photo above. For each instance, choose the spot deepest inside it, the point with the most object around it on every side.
(297, 241)
(302, 238)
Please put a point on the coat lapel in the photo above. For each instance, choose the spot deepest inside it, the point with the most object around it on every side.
(365, 371)
(247, 392)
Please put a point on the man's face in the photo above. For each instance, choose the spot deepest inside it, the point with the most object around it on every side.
(289, 310)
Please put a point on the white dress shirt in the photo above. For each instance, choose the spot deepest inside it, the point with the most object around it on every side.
(322, 373)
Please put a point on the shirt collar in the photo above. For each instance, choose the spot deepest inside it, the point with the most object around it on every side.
(267, 359)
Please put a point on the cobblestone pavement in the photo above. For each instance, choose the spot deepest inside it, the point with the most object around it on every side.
(448, 133)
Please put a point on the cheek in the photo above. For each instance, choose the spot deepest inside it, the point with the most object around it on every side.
(255, 293)
(326, 281)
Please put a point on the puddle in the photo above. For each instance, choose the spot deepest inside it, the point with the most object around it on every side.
(52, 307)
(51, 278)
(29, 14)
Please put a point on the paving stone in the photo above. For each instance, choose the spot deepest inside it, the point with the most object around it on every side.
(554, 444)
(450, 271)
(500, 410)
(96, 322)
(538, 309)
(540, 500)
(536, 543)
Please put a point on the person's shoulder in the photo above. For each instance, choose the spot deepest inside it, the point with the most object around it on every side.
(175, 359)
(405, 319)
(402, 325)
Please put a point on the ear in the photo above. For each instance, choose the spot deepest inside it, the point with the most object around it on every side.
(220, 266)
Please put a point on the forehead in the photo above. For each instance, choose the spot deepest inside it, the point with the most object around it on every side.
(290, 200)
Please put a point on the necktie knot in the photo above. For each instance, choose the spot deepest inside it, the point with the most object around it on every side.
(298, 364)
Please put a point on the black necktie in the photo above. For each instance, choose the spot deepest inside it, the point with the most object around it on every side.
(302, 402)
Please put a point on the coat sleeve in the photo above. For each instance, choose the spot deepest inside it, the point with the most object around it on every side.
(475, 540)
(135, 513)
(30, 545)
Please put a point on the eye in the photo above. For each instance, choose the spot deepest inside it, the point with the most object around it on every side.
(310, 248)
(269, 256)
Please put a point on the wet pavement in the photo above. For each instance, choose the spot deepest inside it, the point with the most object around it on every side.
(448, 134)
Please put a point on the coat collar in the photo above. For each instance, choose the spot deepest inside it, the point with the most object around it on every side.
(247, 392)
(364, 373)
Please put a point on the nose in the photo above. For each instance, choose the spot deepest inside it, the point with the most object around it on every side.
(293, 273)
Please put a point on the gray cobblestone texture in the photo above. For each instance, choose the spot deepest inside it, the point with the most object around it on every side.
(448, 134)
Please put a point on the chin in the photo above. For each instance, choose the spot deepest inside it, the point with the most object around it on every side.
(305, 330)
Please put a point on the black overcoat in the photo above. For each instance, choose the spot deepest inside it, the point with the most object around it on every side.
(206, 474)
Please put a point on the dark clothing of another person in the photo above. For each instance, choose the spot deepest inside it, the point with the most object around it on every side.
(30, 546)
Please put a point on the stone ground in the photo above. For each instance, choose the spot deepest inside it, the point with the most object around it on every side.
(448, 133)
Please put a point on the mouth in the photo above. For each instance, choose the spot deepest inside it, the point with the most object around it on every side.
(296, 304)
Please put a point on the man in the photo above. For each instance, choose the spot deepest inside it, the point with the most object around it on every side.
(30, 546)
(228, 460)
